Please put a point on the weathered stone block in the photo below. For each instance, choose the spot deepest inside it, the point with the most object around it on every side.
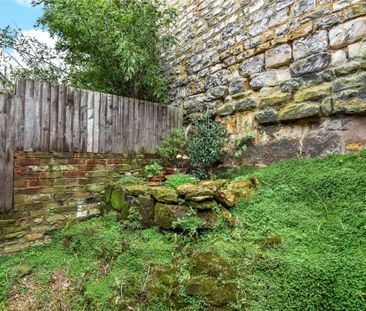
(310, 44)
(231, 193)
(246, 104)
(252, 65)
(218, 92)
(202, 191)
(311, 64)
(352, 105)
(357, 50)
(269, 78)
(165, 195)
(226, 109)
(167, 214)
(278, 56)
(238, 86)
(349, 32)
(313, 93)
(350, 82)
(273, 96)
(299, 111)
(267, 116)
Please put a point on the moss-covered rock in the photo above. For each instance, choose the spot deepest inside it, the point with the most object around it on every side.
(108, 193)
(200, 192)
(136, 190)
(146, 208)
(212, 277)
(299, 111)
(203, 205)
(119, 202)
(165, 195)
(231, 193)
(312, 93)
(167, 214)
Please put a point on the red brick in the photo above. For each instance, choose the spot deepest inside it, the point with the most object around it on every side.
(95, 161)
(26, 162)
(27, 191)
(40, 183)
(72, 161)
(116, 161)
(20, 183)
(73, 174)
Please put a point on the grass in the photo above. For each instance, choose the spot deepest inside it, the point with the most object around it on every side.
(300, 245)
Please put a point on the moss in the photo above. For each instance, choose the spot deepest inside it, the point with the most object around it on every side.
(165, 195)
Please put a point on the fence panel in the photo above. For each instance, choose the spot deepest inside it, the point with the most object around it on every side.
(57, 118)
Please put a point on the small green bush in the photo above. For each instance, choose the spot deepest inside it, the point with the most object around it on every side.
(179, 179)
(153, 169)
(206, 145)
(173, 149)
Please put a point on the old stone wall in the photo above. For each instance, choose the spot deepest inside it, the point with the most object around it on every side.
(52, 189)
(292, 72)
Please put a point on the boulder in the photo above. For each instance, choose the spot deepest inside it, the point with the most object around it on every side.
(202, 191)
(165, 195)
(167, 214)
(118, 201)
(231, 193)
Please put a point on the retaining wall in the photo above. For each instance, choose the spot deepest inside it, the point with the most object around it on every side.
(53, 189)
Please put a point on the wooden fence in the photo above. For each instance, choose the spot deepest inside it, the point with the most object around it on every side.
(55, 118)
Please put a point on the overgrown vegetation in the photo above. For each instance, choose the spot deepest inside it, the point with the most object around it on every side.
(173, 150)
(177, 180)
(299, 244)
(206, 144)
(109, 46)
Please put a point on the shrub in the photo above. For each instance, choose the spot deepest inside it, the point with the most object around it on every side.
(153, 169)
(180, 179)
(206, 145)
(174, 149)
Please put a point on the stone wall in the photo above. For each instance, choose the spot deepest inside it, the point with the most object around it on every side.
(52, 189)
(290, 71)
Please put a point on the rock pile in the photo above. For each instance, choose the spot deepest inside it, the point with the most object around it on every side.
(163, 206)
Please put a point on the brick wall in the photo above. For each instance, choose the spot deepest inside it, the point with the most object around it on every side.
(291, 71)
(51, 189)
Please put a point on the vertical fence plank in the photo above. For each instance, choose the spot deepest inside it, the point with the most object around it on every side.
(3, 116)
(61, 118)
(9, 154)
(96, 125)
(54, 118)
(29, 115)
(90, 121)
(45, 119)
(69, 111)
(76, 122)
(102, 122)
(83, 121)
(37, 116)
(19, 135)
